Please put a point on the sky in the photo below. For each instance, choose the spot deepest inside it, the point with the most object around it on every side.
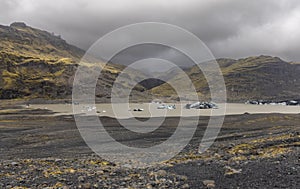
(230, 28)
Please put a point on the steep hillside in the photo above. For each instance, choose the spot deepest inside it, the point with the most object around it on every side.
(261, 77)
(38, 64)
(22, 40)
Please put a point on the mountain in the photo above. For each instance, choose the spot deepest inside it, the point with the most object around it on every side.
(260, 77)
(39, 64)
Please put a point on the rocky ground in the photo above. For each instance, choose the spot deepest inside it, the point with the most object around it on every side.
(39, 150)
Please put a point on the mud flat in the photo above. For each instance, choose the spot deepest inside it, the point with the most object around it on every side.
(39, 149)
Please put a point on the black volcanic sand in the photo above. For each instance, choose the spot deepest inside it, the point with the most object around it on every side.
(39, 150)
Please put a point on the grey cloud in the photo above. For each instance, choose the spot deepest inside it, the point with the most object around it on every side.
(230, 28)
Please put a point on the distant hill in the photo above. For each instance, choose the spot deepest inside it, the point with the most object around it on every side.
(261, 77)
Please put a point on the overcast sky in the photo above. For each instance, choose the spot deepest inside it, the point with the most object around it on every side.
(230, 28)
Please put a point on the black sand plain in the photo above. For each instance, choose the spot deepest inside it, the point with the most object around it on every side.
(41, 150)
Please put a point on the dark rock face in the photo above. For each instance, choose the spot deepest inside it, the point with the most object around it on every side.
(151, 83)
(18, 24)
(9, 94)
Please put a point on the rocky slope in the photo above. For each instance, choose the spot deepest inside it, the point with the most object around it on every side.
(38, 64)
